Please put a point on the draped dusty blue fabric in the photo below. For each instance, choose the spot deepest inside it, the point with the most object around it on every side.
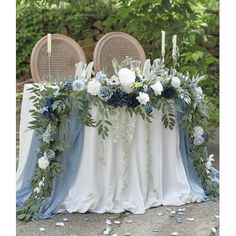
(187, 161)
(70, 160)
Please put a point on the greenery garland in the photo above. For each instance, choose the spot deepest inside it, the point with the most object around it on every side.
(158, 87)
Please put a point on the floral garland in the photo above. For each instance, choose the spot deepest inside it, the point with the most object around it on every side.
(156, 87)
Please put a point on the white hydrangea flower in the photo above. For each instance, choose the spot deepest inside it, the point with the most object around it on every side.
(198, 131)
(43, 162)
(37, 190)
(157, 88)
(127, 78)
(143, 98)
(94, 87)
(175, 82)
(114, 80)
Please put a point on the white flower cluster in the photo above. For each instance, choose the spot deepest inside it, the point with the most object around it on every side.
(157, 88)
(209, 161)
(143, 98)
(40, 186)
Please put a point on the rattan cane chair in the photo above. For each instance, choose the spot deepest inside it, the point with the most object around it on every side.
(65, 53)
(116, 45)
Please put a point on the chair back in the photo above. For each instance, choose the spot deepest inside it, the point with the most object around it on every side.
(65, 53)
(116, 45)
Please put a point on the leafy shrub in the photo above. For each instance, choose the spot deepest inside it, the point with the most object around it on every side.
(195, 22)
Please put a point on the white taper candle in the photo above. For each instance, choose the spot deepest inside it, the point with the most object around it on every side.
(163, 43)
(49, 49)
(174, 50)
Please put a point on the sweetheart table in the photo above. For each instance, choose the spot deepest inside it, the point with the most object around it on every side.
(135, 168)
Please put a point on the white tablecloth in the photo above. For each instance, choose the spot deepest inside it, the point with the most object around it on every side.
(151, 174)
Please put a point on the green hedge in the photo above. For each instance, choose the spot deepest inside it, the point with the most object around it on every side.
(195, 23)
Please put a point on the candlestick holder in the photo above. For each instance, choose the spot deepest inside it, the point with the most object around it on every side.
(49, 67)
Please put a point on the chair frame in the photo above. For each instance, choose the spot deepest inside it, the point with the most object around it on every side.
(41, 43)
(108, 36)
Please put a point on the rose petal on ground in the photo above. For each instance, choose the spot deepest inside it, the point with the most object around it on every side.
(213, 230)
(117, 222)
(128, 221)
(174, 234)
(108, 222)
(190, 219)
(41, 229)
(59, 224)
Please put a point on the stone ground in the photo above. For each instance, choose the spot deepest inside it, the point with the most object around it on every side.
(91, 224)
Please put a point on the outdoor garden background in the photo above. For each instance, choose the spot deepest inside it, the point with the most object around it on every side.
(195, 22)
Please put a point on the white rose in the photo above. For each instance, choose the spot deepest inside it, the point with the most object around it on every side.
(143, 98)
(114, 80)
(127, 78)
(78, 85)
(175, 82)
(94, 87)
(43, 162)
(198, 131)
(157, 88)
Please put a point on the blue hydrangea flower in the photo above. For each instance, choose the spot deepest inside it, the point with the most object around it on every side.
(100, 76)
(137, 79)
(47, 109)
(105, 93)
(117, 99)
(131, 100)
(169, 92)
(198, 140)
(67, 87)
(149, 109)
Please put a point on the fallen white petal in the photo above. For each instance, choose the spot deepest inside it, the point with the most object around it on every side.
(108, 222)
(114, 235)
(106, 231)
(174, 233)
(128, 221)
(155, 230)
(160, 213)
(191, 219)
(117, 222)
(213, 230)
(41, 229)
(126, 234)
(65, 219)
(59, 224)
(217, 216)
(181, 209)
